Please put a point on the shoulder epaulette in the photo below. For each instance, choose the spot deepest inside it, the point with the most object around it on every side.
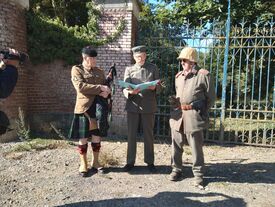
(179, 73)
(99, 68)
(203, 71)
(76, 66)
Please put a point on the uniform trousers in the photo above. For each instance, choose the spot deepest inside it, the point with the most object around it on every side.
(195, 140)
(147, 120)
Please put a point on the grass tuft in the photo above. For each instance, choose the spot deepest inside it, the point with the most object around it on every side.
(36, 145)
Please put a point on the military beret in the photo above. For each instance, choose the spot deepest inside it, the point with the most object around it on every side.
(139, 49)
(90, 51)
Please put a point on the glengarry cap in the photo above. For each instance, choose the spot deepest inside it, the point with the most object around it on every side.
(89, 51)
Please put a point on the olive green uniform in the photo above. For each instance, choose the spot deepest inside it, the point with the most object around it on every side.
(189, 124)
(142, 105)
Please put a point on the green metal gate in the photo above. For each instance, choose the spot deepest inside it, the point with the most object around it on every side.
(250, 83)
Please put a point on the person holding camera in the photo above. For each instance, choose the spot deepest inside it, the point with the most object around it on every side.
(195, 94)
(9, 62)
(88, 81)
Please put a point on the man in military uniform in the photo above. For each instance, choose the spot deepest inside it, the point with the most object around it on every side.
(141, 105)
(88, 81)
(195, 94)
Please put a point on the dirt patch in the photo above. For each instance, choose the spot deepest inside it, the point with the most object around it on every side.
(235, 176)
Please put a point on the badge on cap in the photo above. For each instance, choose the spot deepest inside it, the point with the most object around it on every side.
(139, 49)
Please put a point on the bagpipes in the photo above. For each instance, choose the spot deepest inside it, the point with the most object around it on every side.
(104, 105)
(111, 83)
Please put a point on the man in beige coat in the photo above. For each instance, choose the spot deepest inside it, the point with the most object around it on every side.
(141, 105)
(195, 94)
(88, 81)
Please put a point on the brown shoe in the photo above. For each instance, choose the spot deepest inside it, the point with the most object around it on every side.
(175, 176)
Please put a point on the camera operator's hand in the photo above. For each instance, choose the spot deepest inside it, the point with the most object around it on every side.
(13, 51)
(2, 64)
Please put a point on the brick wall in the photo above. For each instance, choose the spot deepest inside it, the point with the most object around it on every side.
(119, 52)
(13, 34)
(51, 96)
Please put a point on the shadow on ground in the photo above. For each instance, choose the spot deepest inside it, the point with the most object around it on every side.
(168, 199)
(141, 170)
(235, 171)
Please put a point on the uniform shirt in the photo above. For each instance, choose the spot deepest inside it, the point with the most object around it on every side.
(87, 86)
(145, 101)
(195, 86)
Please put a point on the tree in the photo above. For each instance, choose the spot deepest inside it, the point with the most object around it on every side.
(58, 29)
(70, 12)
(207, 10)
(170, 25)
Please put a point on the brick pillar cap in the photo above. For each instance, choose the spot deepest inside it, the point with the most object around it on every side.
(130, 5)
(24, 3)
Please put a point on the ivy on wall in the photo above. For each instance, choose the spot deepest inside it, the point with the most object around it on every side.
(51, 38)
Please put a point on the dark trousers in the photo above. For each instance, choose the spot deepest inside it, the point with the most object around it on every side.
(147, 121)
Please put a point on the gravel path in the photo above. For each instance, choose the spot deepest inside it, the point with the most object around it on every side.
(236, 176)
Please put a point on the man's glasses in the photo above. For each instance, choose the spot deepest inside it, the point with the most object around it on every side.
(187, 61)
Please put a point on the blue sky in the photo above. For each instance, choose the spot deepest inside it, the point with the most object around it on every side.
(153, 1)
(156, 2)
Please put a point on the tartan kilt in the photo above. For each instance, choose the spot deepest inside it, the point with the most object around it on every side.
(80, 127)
(80, 123)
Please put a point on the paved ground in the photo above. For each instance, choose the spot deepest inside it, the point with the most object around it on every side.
(236, 176)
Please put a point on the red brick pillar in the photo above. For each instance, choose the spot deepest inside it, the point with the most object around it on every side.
(51, 96)
(13, 35)
(118, 52)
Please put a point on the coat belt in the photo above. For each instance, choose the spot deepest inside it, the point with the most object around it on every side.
(185, 107)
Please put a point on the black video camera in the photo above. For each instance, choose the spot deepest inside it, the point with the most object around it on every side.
(20, 56)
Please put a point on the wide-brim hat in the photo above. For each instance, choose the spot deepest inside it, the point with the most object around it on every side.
(188, 53)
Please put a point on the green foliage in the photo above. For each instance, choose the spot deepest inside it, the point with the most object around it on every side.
(38, 145)
(53, 34)
(207, 10)
(70, 12)
(168, 26)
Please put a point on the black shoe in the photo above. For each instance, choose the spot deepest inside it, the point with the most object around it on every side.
(99, 170)
(128, 167)
(199, 182)
(152, 168)
(84, 174)
(175, 176)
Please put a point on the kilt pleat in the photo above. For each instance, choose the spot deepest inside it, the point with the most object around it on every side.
(80, 127)
(80, 123)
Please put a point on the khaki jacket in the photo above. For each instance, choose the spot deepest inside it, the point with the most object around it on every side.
(146, 100)
(197, 85)
(87, 85)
